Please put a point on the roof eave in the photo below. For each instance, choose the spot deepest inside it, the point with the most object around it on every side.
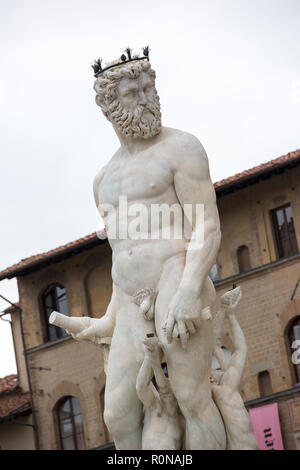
(54, 258)
(256, 177)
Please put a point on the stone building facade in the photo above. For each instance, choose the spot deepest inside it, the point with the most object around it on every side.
(260, 222)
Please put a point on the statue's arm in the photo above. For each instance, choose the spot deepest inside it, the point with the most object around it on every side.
(233, 375)
(197, 197)
(194, 187)
(161, 379)
(97, 330)
(101, 327)
(143, 381)
(221, 358)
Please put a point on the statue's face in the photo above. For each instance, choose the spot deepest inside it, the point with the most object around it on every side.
(135, 92)
(139, 113)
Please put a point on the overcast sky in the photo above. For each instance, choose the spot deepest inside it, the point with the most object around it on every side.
(228, 71)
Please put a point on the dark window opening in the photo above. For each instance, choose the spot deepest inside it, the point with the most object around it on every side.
(243, 258)
(54, 298)
(284, 231)
(264, 383)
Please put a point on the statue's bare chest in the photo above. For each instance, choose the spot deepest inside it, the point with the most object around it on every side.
(138, 178)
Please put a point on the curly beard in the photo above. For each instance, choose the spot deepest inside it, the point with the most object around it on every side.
(144, 121)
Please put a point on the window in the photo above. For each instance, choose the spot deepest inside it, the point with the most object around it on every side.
(214, 275)
(264, 383)
(243, 258)
(70, 424)
(293, 334)
(54, 298)
(284, 231)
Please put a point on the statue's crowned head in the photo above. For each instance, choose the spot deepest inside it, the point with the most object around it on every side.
(126, 93)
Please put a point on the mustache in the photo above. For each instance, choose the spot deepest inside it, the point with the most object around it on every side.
(134, 118)
(141, 108)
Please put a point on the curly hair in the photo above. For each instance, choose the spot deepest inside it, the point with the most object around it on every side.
(106, 84)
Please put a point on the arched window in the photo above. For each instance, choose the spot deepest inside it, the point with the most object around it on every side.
(243, 258)
(54, 298)
(264, 383)
(70, 424)
(293, 334)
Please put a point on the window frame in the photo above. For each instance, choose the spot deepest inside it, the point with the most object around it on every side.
(45, 319)
(275, 230)
(59, 405)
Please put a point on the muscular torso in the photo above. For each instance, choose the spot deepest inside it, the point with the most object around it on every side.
(146, 178)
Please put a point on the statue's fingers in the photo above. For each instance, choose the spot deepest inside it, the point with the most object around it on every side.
(191, 327)
(169, 328)
(183, 333)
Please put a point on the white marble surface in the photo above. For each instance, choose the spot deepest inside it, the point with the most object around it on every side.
(160, 284)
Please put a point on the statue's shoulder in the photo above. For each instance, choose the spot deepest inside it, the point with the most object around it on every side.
(181, 139)
(184, 144)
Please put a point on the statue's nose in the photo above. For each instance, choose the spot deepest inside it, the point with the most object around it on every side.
(142, 98)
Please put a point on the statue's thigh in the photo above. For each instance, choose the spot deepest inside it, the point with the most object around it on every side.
(126, 351)
(188, 368)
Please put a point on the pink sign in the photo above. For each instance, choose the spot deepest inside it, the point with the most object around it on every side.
(266, 427)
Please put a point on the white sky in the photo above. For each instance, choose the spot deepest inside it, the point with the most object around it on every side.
(228, 71)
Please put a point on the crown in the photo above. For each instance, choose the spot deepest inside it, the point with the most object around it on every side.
(125, 59)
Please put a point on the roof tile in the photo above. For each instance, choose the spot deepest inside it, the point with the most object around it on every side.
(14, 404)
(256, 169)
(9, 384)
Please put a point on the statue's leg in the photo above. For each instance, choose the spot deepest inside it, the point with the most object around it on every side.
(123, 412)
(189, 368)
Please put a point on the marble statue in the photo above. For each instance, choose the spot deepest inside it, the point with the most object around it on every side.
(160, 273)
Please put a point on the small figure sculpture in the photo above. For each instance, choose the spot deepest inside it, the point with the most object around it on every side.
(225, 382)
(163, 422)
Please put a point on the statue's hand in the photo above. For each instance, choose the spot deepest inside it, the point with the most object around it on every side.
(183, 317)
(95, 328)
(230, 300)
